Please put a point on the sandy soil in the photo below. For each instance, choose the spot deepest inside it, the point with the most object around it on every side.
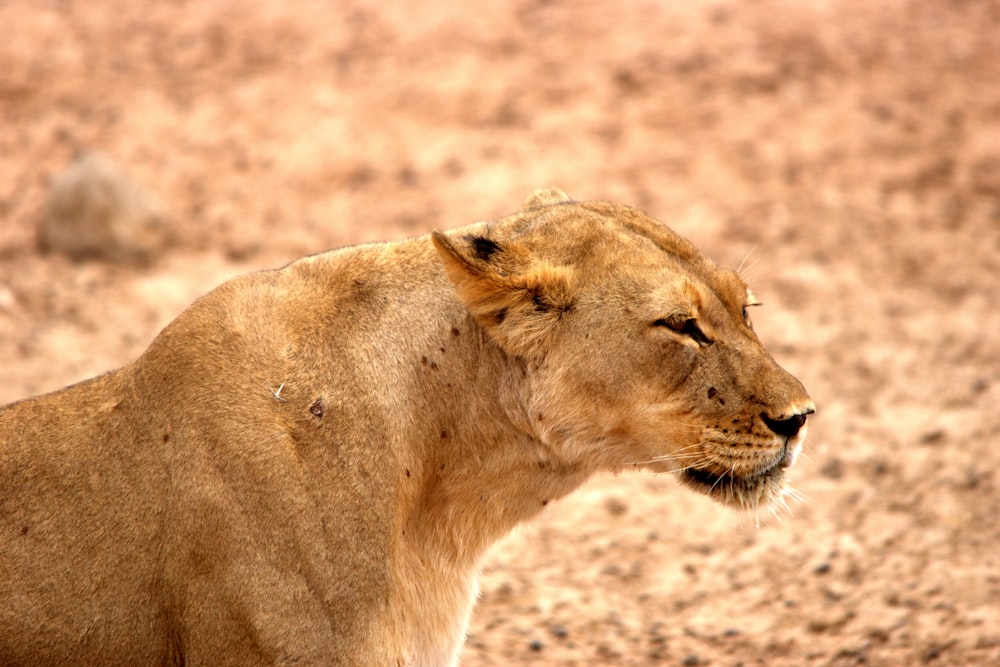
(848, 151)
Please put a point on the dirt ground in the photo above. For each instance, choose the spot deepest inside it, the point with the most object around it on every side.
(847, 151)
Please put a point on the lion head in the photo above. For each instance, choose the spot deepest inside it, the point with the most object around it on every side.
(638, 350)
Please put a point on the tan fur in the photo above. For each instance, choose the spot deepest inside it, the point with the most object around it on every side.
(308, 464)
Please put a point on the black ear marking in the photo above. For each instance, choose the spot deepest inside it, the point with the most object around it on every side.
(483, 247)
(515, 295)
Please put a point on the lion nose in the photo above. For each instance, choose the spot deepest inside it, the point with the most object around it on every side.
(787, 427)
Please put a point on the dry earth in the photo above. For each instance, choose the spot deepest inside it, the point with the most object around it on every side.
(847, 151)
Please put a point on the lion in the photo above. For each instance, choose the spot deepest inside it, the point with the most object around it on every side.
(308, 464)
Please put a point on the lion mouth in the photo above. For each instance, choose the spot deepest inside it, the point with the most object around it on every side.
(713, 480)
(743, 490)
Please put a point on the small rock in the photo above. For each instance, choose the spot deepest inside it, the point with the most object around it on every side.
(933, 437)
(536, 645)
(94, 209)
(822, 568)
(833, 469)
(615, 506)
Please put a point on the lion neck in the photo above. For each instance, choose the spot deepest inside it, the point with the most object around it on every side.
(484, 470)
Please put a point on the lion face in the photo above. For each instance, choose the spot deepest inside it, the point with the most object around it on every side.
(639, 351)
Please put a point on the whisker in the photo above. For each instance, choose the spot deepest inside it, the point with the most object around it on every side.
(783, 499)
(697, 462)
(693, 466)
(718, 481)
(683, 451)
(775, 513)
(739, 270)
(665, 459)
(795, 495)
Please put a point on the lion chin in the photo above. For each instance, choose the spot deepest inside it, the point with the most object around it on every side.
(748, 492)
(764, 488)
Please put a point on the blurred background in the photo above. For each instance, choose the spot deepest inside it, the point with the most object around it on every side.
(846, 152)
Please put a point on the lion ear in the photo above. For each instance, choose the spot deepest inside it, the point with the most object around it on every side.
(521, 310)
(544, 197)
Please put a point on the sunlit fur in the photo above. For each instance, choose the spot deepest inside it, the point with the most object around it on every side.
(308, 464)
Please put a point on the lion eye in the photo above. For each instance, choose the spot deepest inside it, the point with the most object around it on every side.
(746, 314)
(687, 327)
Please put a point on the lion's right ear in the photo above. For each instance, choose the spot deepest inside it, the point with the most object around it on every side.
(544, 197)
(520, 311)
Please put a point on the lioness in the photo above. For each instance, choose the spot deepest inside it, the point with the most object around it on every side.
(308, 464)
